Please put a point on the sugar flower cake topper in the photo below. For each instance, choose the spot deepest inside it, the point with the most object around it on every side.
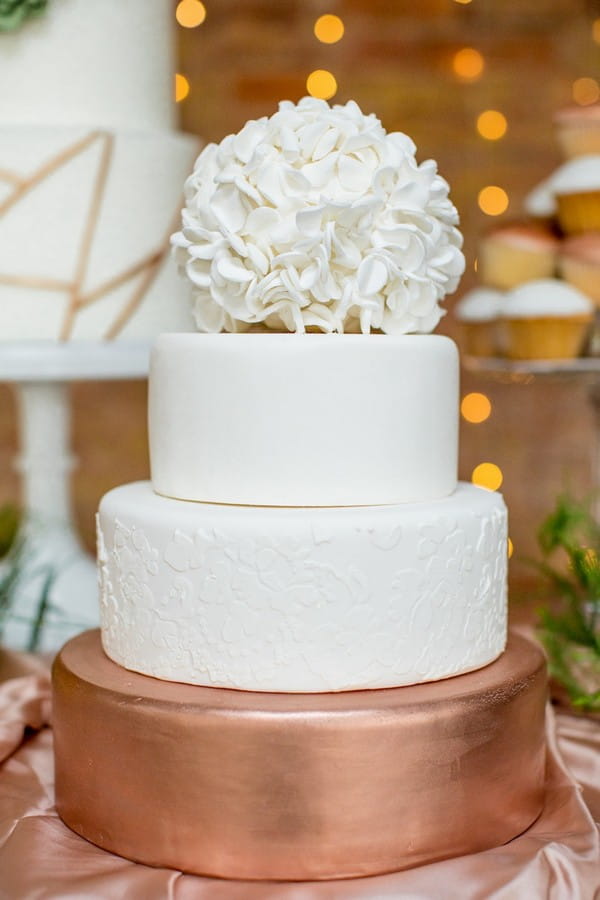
(14, 12)
(317, 219)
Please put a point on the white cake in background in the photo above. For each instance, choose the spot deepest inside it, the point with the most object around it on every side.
(102, 63)
(303, 529)
(90, 173)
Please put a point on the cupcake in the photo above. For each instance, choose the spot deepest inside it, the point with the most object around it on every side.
(578, 130)
(545, 319)
(477, 312)
(513, 253)
(579, 263)
(576, 186)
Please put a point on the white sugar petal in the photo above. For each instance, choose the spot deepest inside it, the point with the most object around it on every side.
(246, 141)
(353, 175)
(325, 144)
(262, 219)
(372, 276)
(320, 173)
(233, 270)
(309, 221)
(258, 259)
(228, 207)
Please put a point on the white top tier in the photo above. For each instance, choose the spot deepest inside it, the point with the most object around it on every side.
(105, 63)
(303, 420)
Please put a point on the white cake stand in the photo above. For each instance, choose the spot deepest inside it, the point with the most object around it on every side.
(48, 590)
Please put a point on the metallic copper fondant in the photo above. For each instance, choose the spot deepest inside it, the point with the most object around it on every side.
(297, 786)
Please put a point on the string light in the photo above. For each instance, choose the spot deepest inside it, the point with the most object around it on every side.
(585, 91)
(468, 64)
(487, 475)
(510, 548)
(475, 408)
(190, 13)
(182, 87)
(491, 124)
(329, 29)
(321, 84)
(493, 200)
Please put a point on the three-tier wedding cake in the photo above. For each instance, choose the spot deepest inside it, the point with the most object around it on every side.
(91, 170)
(284, 603)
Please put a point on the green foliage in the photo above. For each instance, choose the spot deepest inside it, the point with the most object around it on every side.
(13, 567)
(9, 522)
(571, 630)
(9, 575)
(14, 12)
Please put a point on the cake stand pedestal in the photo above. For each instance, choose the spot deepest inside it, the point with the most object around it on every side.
(48, 590)
(583, 369)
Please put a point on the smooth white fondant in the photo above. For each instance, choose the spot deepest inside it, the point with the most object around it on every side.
(302, 599)
(316, 218)
(102, 63)
(545, 297)
(479, 305)
(121, 193)
(303, 420)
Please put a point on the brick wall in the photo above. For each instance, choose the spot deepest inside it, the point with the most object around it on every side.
(396, 60)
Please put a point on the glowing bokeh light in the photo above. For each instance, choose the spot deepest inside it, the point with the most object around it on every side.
(463, 2)
(321, 84)
(585, 91)
(493, 200)
(491, 124)
(510, 548)
(596, 31)
(182, 87)
(475, 408)
(190, 13)
(487, 475)
(329, 29)
(468, 64)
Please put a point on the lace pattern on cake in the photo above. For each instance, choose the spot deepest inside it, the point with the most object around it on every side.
(208, 607)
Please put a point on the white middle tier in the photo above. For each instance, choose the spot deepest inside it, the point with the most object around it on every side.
(303, 419)
(300, 600)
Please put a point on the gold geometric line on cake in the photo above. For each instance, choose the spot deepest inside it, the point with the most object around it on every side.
(147, 266)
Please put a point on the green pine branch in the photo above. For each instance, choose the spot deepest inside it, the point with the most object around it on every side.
(570, 629)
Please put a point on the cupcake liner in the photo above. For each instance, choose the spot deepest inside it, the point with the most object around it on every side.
(479, 338)
(579, 212)
(542, 337)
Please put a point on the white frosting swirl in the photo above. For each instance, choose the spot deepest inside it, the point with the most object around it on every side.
(545, 297)
(316, 218)
(480, 304)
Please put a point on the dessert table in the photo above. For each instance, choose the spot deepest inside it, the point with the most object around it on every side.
(558, 857)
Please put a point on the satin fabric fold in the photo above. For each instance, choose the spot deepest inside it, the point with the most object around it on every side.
(40, 858)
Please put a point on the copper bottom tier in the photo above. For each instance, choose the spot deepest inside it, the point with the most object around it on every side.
(297, 786)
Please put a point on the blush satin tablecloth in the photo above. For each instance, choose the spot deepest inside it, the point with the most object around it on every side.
(558, 858)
